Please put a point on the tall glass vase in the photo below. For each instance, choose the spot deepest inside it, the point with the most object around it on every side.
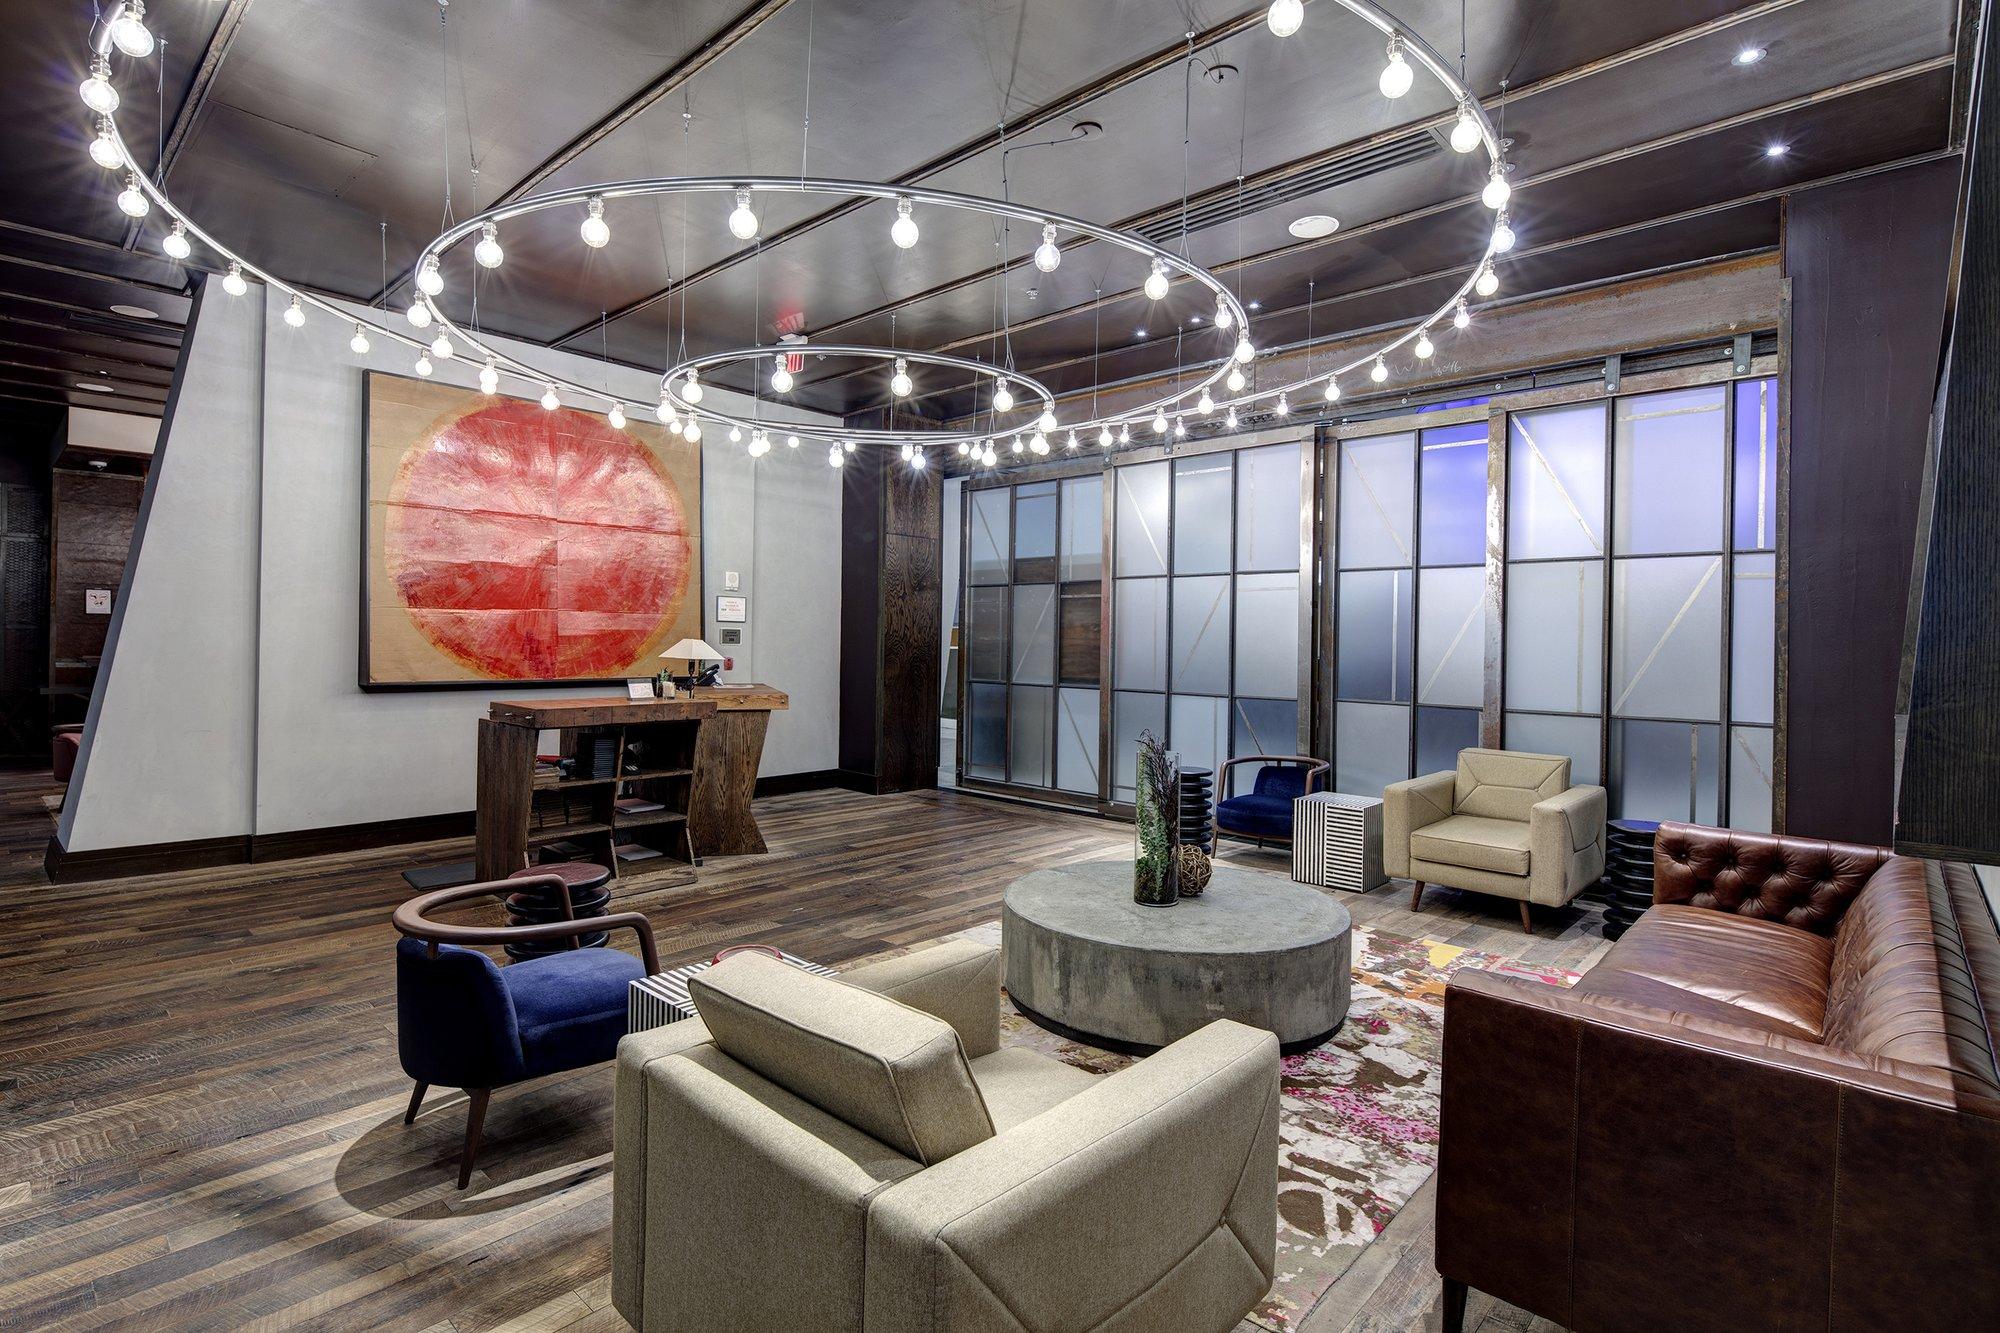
(1155, 870)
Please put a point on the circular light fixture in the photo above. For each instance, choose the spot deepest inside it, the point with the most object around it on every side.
(1497, 191)
(1285, 16)
(1313, 226)
(596, 231)
(175, 243)
(359, 344)
(104, 149)
(132, 201)
(1770, 150)
(96, 90)
(900, 383)
(232, 281)
(903, 231)
(488, 251)
(93, 386)
(133, 311)
(129, 32)
(1397, 76)
(1048, 258)
(742, 221)
(1156, 282)
(1750, 55)
(1465, 136)
(295, 314)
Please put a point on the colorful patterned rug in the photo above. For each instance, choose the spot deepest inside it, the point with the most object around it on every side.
(1358, 1127)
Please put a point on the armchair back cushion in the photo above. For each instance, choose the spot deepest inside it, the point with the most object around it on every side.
(1286, 780)
(893, 1072)
(1506, 784)
(455, 1021)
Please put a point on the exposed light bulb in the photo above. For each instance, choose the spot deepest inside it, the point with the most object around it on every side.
(1245, 349)
(130, 33)
(358, 344)
(742, 222)
(899, 383)
(549, 400)
(1071, 443)
(760, 444)
(596, 231)
(1284, 407)
(1465, 135)
(1379, 371)
(691, 388)
(1104, 438)
(1425, 348)
(1048, 256)
(104, 149)
(964, 448)
(1332, 389)
(1235, 381)
(848, 445)
(1285, 16)
(616, 416)
(1003, 397)
(908, 449)
(1047, 420)
(692, 432)
(791, 441)
(1225, 318)
(232, 282)
(429, 281)
(903, 231)
(917, 461)
(1204, 404)
(989, 457)
(1159, 421)
(489, 378)
(781, 378)
(1038, 444)
(132, 201)
(295, 314)
(96, 90)
(835, 458)
(1180, 428)
(1397, 74)
(1156, 281)
(1462, 316)
(1488, 281)
(1229, 421)
(1503, 235)
(441, 347)
(1497, 191)
(1020, 445)
(736, 435)
(424, 366)
(488, 251)
(1124, 432)
(418, 314)
(175, 243)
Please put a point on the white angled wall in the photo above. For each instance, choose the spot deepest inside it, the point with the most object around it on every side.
(229, 702)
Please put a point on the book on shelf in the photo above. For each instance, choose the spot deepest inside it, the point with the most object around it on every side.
(632, 851)
(638, 805)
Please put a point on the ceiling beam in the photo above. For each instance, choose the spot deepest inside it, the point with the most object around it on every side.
(58, 398)
(116, 391)
(87, 274)
(163, 340)
(95, 357)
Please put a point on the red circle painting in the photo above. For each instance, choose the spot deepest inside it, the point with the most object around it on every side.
(529, 544)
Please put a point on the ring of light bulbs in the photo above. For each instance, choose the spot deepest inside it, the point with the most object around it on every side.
(125, 30)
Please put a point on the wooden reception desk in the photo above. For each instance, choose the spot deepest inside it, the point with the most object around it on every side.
(702, 754)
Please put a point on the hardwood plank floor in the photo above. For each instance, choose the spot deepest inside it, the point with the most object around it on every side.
(200, 1103)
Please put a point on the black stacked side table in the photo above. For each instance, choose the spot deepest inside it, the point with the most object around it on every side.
(589, 893)
(1197, 808)
(1628, 872)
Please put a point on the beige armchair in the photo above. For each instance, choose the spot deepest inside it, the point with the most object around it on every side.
(862, 1154)
(1503, 823)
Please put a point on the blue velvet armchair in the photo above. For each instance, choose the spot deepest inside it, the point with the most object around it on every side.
(1264, 813)
(462, 1022)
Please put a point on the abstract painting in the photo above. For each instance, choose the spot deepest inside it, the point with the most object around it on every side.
(509, 542)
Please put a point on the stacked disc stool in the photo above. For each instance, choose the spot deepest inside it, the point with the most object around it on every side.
(1628, 872)
(589, 894)
(1197, 808)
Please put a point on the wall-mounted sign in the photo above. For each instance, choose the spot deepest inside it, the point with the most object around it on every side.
(732, 610)
(97, 601)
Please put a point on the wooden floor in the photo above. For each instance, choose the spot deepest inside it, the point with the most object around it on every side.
(200, 1105)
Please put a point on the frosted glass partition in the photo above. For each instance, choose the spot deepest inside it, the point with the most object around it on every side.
(989, 540)
(1201, 636)
(1034, 647)
(1555, 483)
(1076, 741)
(1555, 636)
(1451, 636)
(1581, 738)
(986, 731)
(1666, 637)
(1204, 487)
(1371, 747)
(1035, 533)
(1753, 641)
(1199, 728)
(1375, 627)
(1082, 543)
(1139, 635)
(1377, 502)
(1267, 637)
(1132, 714)
(986, 614)
(1452, 526)
(1265, 726)
(1441, 734)
(1030, 736)
(1666, 770)
(1267, 508)
(1667, 473)
(1142, 520)
(1750, 778)
(1756, 506)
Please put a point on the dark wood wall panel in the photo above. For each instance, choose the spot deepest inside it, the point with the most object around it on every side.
(93, 515)
(1867, 261)
(891, 627)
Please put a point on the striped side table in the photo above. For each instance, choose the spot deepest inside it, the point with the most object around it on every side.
(655, 1001)
(1337, 841)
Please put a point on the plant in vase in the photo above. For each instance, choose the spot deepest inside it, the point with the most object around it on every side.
(1156, 816)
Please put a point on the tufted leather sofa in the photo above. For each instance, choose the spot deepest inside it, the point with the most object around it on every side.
(1774, 1104)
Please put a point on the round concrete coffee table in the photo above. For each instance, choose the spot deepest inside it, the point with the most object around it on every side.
(1084, 960)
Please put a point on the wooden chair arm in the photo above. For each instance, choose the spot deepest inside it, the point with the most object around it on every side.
(410, 919)
(1316, 769)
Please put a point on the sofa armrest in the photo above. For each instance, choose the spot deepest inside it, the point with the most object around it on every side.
(1598, 1158)
(1153, 1193)
(957, 981)
(1801, 882)
(1408, 806)
(1565, 844)
(629, 1115)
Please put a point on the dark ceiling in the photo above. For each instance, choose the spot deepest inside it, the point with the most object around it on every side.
(318, 138)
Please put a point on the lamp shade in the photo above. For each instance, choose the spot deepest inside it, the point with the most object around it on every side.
(692, 650)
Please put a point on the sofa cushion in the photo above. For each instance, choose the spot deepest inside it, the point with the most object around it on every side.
(1019, 1085)
(1506, 784)
(1732, 969)
(571, 1006)
(887, 1069)
(1499, 845)
(1799, 881)
(1256, 816)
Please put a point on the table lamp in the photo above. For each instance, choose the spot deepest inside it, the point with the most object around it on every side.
(690, 651)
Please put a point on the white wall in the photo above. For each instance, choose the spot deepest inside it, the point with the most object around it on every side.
(313, 749)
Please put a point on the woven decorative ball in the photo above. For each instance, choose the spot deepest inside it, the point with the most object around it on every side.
(1195, 870)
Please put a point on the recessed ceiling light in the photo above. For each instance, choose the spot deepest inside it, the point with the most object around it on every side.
(135, 312)
(1255, 305)
(1750, 55)
(1313, 226)
(1776, 149)
(1194, 319)
(92, 386)
(1138, 333)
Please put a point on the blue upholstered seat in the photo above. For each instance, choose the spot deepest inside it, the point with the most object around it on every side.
(1266, 810)
(570, 1006)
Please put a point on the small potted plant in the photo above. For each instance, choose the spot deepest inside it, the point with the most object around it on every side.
(1155, 870)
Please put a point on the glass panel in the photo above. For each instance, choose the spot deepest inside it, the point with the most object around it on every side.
(986, 732)
(1441, 734)
(1374, 630)
(1267, 508)
(1082, 632)
(1082, 548)
(1451, 636)
(1377, 478)
(1757, 465)
(1140, 638)
(1142, 519)
(1035, 533)
(1130, 715)
(1076, 741)
(986, 633)
(1555, 482)
(1203, 489)
(1750, 778)
(1452, 525)
(1555, 636)
(1753, 643)
(1199, 732)
(1034, 651)
(1667, 478)
(1267, 635)
(1028, 736)
(1201, 636)
(989, 540)
(1664, 770)
(1371, 747)
(1576, 737)
(1666, 637)
(1264, 726)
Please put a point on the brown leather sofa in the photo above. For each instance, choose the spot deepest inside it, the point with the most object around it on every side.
(1774, 1104)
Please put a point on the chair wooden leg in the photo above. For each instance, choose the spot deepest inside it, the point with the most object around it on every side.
(416, 1100)
(1527, 922)
(475, 1121)
(1454, 1306)
(1417, 897)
